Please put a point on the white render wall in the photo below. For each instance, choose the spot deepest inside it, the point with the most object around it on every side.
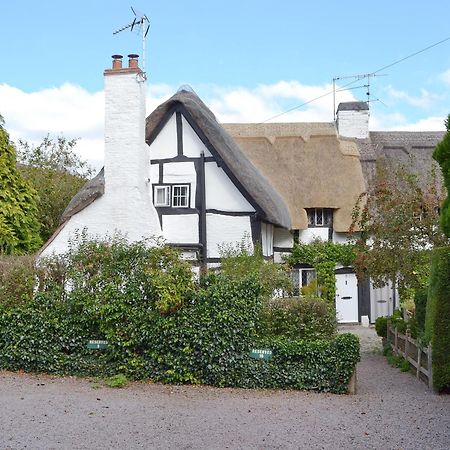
(192, 144)
(126, 205)
(228, 230)
(267, 239)
(310, 234)
(221, 193)
(353, 124)
(165, 143)
(180, 228)
(181, 173)
(283, 238)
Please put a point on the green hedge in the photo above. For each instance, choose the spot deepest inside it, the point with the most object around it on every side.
(437, 325)
(125, 294)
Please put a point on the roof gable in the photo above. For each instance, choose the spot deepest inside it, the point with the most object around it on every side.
(227, 153)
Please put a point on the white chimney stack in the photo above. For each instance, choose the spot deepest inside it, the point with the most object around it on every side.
(353, 120)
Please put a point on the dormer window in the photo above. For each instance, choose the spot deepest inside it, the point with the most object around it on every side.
(320, 217)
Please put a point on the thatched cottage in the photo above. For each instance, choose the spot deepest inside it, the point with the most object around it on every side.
(199, 184)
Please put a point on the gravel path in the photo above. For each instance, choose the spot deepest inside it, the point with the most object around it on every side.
(391, 410)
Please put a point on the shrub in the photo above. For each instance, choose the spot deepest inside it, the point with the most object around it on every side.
(420, 300)
(298, 318)
(16, 279)
(437, 325)
(197, 334)
(116, 381)
(381, 326)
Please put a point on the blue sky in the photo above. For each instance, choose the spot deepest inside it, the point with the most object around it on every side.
(248, 60)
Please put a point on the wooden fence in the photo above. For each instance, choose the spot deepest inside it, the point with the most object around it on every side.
(420, 357)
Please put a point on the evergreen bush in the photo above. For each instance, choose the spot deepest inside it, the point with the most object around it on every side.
(159, 325)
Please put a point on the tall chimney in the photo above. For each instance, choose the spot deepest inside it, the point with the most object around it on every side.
(127, 159)
(352, 119)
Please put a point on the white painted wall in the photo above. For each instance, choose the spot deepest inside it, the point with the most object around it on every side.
(165, 144)
(278, 257)
(381, 301)
(221, 193)
(267, 239)
(126, 205)
(222, 229)
(192, 145)
(310, 234)
(341, 238)
(353, 124)
(283, 238)
(181, 173)
(180, 228)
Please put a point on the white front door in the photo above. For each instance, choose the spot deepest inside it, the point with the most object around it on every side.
(347, 298)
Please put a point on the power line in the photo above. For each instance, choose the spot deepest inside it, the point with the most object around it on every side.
(357, 79)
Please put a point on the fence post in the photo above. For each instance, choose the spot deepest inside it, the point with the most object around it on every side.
(407, 338)
(419, 359)
(430, 370)
(395, 340)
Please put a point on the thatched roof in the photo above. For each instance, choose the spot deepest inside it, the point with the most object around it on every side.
(223, 146)
(308, 164)
(412, 149)
(92, 190)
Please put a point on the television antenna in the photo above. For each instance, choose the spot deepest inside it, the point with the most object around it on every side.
(358, 77)
(140, 21)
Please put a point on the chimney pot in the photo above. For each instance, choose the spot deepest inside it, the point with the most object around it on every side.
(133, 61)
(117, 62)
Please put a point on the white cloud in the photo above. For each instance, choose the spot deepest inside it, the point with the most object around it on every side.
(76, 113)
(425, 100)
(445, 77)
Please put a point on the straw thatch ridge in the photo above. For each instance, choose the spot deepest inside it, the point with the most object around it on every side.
(92, 190)
(412, 149)
(221, 144)
(308, 164)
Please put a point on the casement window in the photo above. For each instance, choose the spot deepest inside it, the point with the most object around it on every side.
(302, 277)
(320, 217)
(176, 195)
(180, 196)
(161, 195)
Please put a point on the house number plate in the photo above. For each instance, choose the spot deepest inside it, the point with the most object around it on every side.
(264, 354)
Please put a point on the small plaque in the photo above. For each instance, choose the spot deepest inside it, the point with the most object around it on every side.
(264, 354)
(97, 345)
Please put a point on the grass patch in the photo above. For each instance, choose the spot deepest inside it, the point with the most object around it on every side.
(116, 381)
(396, 360)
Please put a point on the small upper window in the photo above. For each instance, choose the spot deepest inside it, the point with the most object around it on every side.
(180, 196)
(161, 195)
(320, 217)
(171, 195)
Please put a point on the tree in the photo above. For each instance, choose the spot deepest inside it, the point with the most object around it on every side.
(398, 222)
(442, 155)
(57, 173)
(19, 226)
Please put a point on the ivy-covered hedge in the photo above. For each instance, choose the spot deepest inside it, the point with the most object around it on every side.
(437, 325)
(159, 325)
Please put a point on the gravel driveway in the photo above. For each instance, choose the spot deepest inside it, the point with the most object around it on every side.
(391, 410)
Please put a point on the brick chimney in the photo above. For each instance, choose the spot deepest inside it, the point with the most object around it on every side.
(352, 120)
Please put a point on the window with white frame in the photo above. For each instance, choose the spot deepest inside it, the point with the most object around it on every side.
(161, 195)
(180, 196)
(319, 217)
(301, 278)
(176, 195)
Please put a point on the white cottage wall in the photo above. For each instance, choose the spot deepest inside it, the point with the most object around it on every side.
(192, 145)
(310, 234)
(283, 238)
(228, 230)
(180, 228)
(165, 143)
(181, 173)
(221, 193)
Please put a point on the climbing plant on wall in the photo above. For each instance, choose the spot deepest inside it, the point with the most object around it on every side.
(323, 256)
